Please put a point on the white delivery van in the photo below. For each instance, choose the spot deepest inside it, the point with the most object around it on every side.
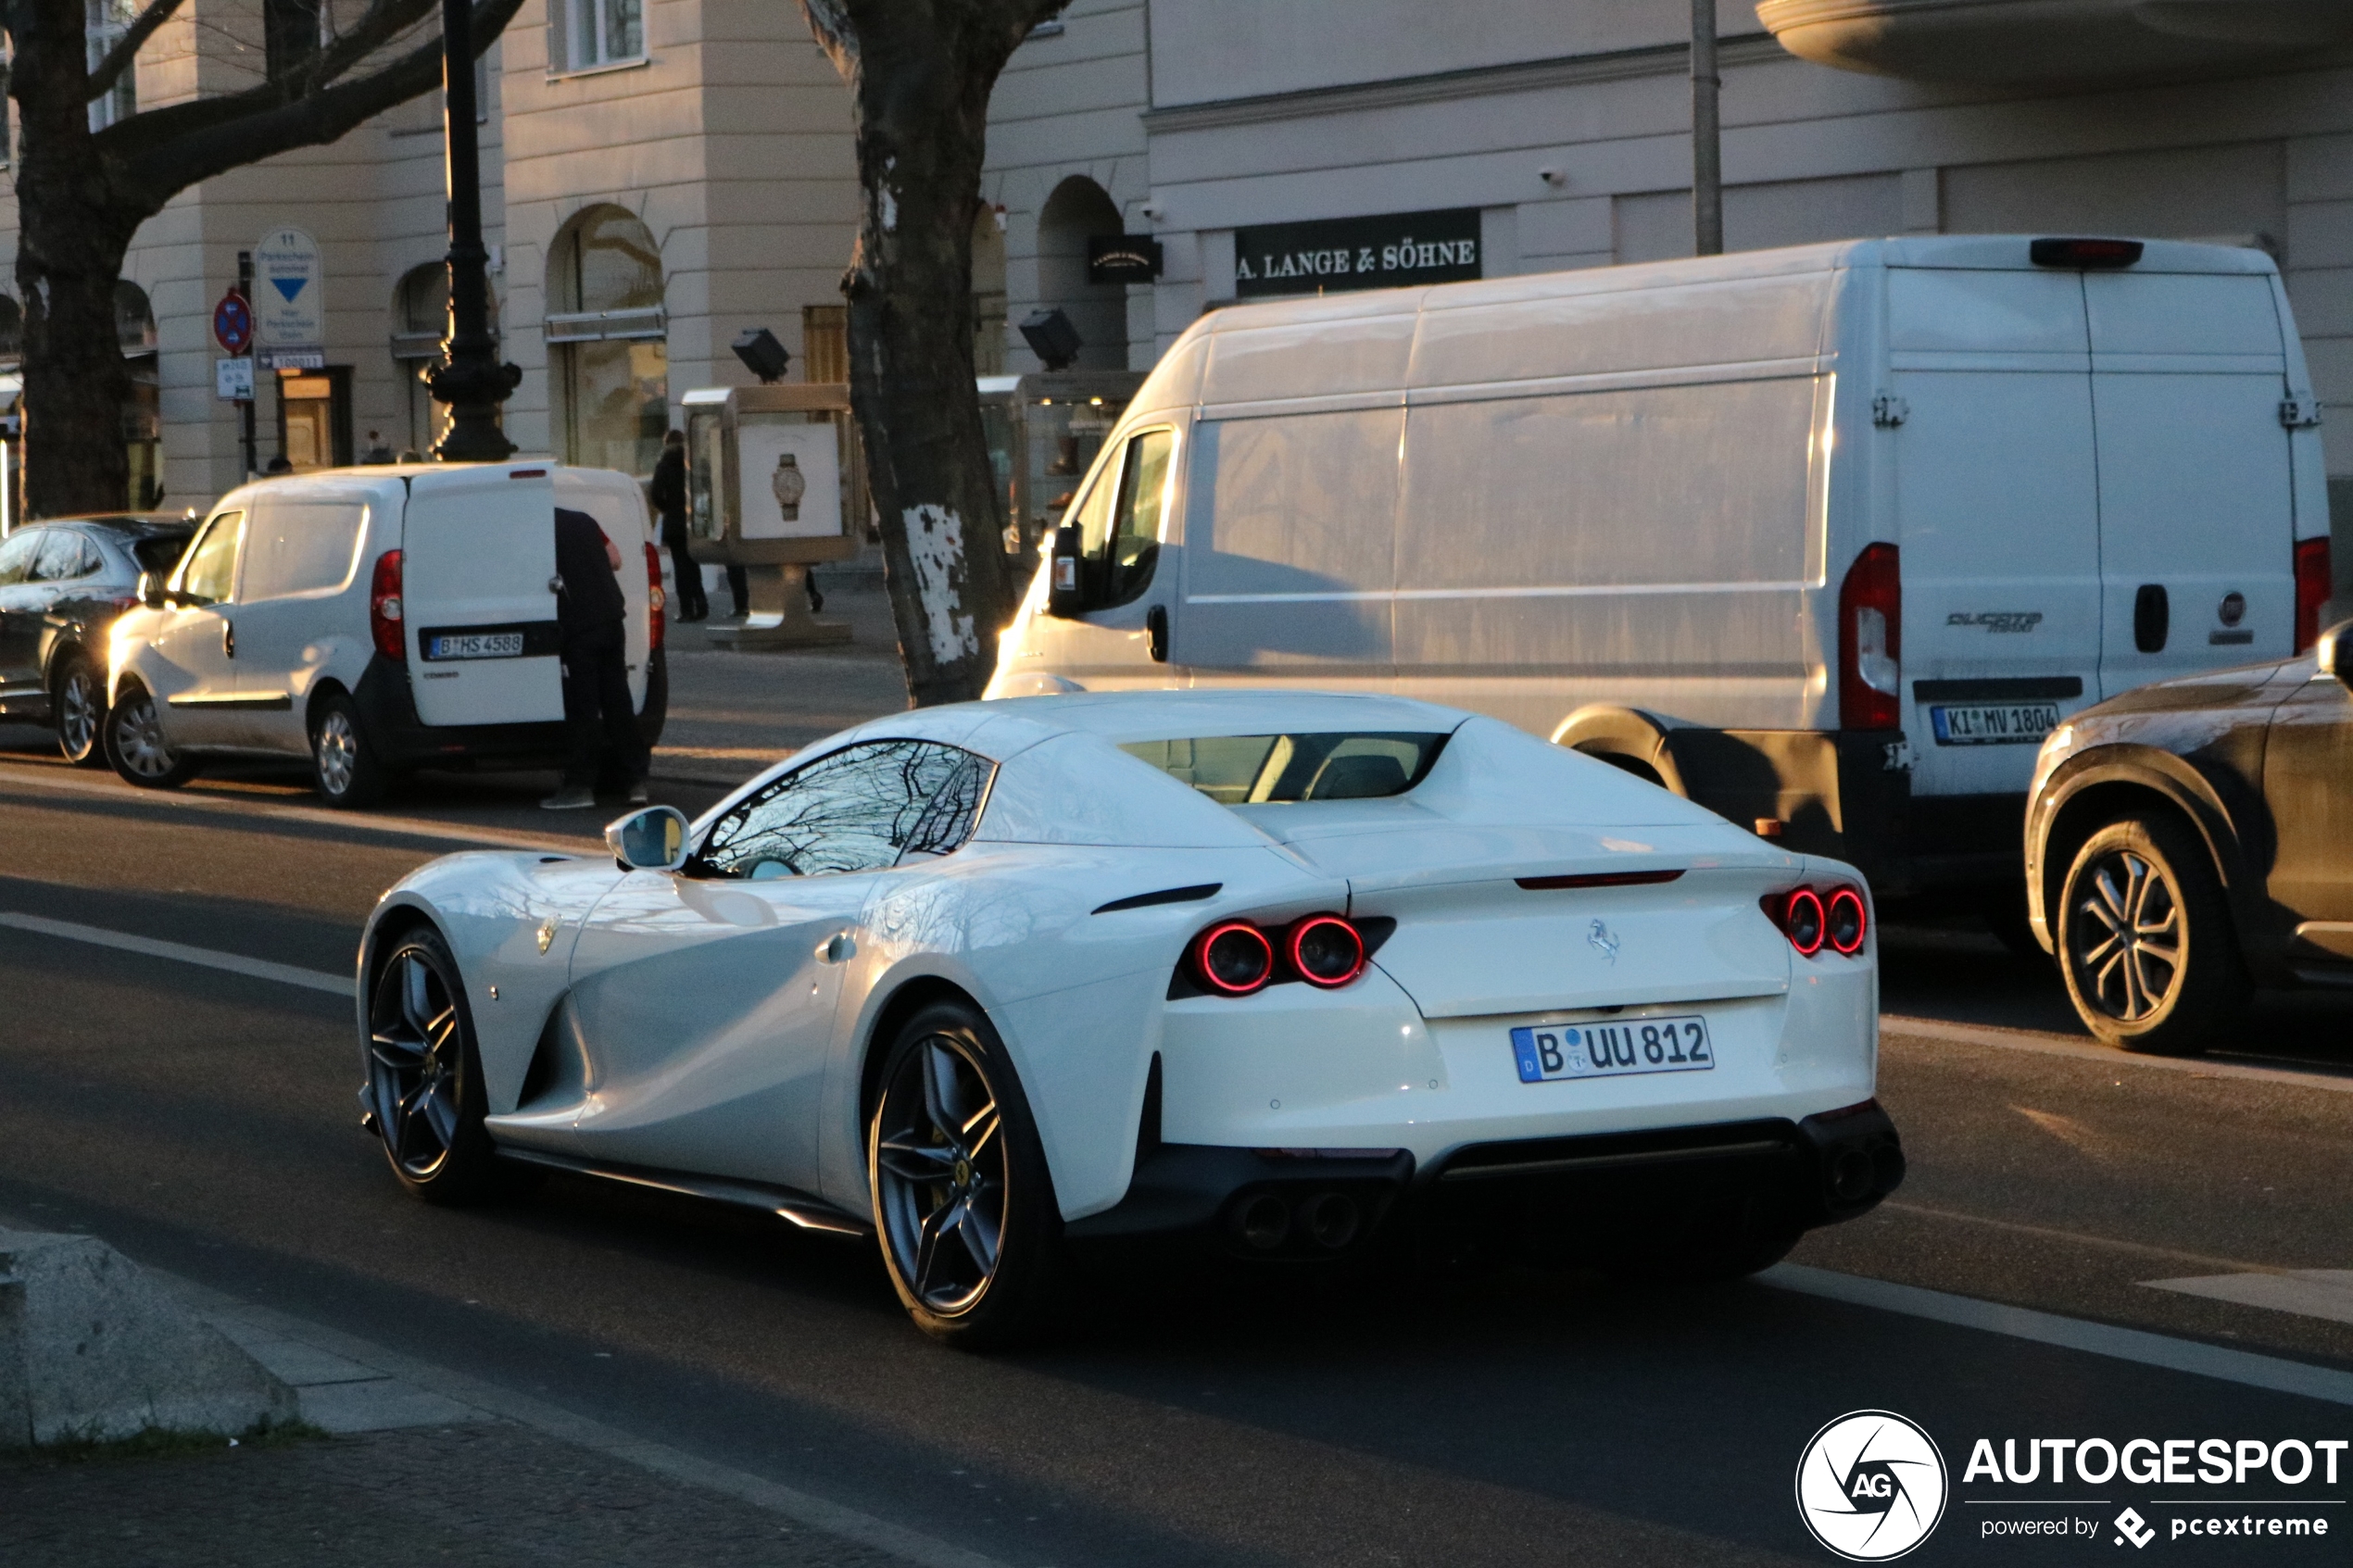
(1824, 538)
(372, 620)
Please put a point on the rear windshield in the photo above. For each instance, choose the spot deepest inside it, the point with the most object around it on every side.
(1286, 769)
(159, 553)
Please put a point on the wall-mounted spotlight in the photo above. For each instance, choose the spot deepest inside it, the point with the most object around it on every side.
(763, 355)
(1051, 337)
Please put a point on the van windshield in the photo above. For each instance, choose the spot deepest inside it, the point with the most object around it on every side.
(1286, 769)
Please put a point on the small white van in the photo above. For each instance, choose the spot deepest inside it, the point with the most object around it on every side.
(1826, 539)
(373, 620)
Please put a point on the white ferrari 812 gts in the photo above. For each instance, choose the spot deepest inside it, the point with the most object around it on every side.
(1301, 976)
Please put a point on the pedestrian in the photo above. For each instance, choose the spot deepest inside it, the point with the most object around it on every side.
(590, 612)
(668, 493)
(378, 452)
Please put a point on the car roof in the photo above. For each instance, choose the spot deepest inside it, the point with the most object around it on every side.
(144, 525)
(1168, 715)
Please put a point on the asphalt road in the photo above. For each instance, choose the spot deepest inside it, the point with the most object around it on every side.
(205, 1122)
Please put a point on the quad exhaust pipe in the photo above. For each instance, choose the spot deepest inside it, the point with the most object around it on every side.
(1268, 1223)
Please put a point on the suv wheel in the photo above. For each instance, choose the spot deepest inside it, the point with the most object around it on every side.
(77, 697)
(343, 767)
(2144, 938)
(136, 745)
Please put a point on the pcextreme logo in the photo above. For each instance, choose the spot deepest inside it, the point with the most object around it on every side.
(1870, 1486)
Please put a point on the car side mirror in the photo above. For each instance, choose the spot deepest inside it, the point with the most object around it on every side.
(1064, 593)
(151, 590)
(651, 840)
(2327, 651)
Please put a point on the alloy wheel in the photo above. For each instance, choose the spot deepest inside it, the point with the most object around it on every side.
(138, 737)
(2127, 937)
(79, 711)
(415, 1062)
(336, 750)
(940, 1175)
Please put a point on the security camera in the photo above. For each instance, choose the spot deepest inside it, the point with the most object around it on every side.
(1152, 210)
(1554, 177)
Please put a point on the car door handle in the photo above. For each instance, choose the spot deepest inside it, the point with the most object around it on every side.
(838, 948)
(229, 637)
(1156, 629)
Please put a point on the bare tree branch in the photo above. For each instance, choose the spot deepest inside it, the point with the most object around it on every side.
(164, 151)
(126, 48)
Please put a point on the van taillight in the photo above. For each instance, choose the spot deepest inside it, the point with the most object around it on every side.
(2090, 256)
(2311, 589)
(1870, 642)
(655, 602)
(385, 608)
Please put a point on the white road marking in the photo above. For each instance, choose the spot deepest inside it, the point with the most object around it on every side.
(2274, 1372)
(2307, 1293)
(235, 963)
(264, 807)
(2084, 1051)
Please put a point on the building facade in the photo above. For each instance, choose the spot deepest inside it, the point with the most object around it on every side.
(658, 176)
(1289, 148)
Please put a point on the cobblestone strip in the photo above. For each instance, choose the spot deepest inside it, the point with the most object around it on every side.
(350, 1386)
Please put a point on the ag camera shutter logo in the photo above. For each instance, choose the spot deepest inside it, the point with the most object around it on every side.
(1871, 1486)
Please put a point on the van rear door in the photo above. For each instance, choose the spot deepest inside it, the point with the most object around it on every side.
(2196, 508)
(1997, 504)
(478, 554)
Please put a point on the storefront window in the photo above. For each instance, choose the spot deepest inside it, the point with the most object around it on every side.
(608, 340)
(143, 412)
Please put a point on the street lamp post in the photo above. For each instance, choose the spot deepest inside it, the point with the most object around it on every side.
(468, 376)
(1708, 152)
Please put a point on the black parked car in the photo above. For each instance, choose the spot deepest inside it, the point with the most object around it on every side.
(2194, 838)
(62, 582)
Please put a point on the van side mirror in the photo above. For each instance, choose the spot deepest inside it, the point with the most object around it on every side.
(2328, 651)
(651, 840)
(151, 590)
(1065, 594)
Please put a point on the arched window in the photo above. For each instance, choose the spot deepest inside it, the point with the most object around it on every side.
(135, 327)
(608, 358)
(1078, 212)
(989, 290)
(419, 321)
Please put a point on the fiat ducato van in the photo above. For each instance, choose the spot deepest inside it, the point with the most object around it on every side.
(1825, 538)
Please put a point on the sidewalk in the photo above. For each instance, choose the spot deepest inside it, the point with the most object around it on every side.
(419, 1464)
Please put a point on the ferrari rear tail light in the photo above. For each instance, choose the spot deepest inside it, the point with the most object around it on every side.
(1801, 918)
(1232, 959)
(1815, 919)
(1870, 641)
(385, 608)
(1847, 921)
(656, 601)
(2311, 589)
(1325, 949)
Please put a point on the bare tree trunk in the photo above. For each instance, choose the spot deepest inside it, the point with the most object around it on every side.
(82, 195)
(920, 78)
(69, 253)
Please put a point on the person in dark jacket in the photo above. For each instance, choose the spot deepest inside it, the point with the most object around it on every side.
(669, 497)
(592, 613)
